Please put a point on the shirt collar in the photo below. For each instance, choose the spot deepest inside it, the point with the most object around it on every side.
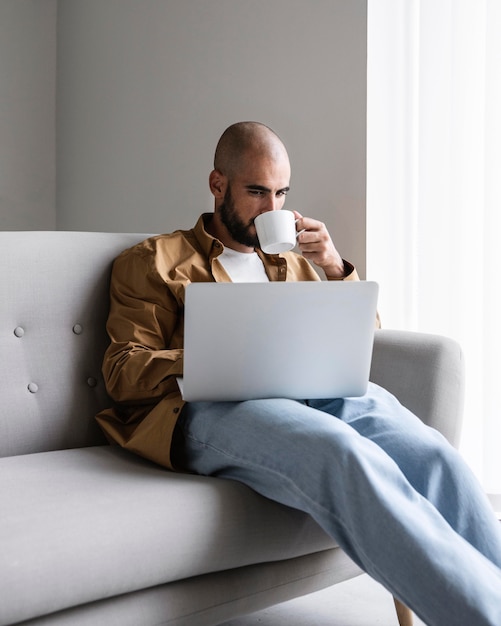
(207, 242)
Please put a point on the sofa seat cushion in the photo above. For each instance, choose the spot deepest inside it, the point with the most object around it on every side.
(86, 524)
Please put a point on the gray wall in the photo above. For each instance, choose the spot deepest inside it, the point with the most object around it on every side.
(145, 88)
(27, 114)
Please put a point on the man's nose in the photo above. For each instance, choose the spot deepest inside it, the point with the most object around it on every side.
(272, 203)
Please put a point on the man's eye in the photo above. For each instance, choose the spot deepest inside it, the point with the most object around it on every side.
(282, 192)
(256, 192)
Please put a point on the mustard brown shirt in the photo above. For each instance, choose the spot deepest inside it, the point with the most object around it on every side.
(145, 327)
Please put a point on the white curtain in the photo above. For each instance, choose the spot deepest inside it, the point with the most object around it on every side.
(434, 191)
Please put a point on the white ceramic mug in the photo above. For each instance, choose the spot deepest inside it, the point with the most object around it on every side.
(276, 231)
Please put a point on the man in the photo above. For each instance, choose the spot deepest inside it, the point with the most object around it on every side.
(391, 491)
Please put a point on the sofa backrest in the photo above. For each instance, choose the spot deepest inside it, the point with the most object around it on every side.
(53, 310)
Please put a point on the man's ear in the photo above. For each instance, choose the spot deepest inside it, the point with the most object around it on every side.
(217, 183)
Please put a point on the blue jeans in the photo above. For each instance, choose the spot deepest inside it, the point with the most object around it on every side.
(389, 490)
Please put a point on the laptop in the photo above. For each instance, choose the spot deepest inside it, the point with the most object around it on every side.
(300, 340)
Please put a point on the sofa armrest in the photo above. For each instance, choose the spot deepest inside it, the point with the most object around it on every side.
(426, 373)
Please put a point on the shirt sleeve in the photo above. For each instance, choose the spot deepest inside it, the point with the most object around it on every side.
(142, 361)
(350, 272)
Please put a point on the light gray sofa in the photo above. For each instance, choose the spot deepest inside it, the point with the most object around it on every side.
(90, 534)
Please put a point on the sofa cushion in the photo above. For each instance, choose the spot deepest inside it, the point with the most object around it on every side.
(126, 524)
(55, 288)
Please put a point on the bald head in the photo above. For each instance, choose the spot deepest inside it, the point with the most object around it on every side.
(243, 141)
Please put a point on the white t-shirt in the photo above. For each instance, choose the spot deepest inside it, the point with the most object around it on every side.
(243, 267)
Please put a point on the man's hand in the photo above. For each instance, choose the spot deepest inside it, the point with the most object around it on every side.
(316, 245)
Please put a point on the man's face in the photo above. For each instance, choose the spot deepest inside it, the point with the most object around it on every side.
(260, 185)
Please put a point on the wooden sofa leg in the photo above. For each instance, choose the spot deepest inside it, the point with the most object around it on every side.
(403, 613)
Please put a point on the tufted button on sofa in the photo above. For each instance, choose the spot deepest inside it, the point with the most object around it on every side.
(90, 534)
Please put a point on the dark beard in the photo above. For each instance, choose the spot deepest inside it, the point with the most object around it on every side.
(239, 231)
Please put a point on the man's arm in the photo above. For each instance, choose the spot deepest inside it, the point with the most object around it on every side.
(142, 360)
(316, 245)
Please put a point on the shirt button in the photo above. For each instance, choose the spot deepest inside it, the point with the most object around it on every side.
(176, 409)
